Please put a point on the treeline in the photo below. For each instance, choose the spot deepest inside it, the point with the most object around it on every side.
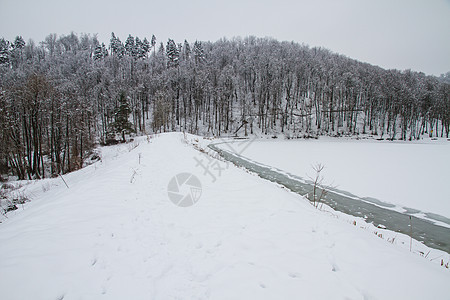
(60, 97)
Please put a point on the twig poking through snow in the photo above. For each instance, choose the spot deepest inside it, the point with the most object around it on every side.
(63, 180)
(410, 234)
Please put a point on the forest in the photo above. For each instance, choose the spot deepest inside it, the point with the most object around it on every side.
(65, 95)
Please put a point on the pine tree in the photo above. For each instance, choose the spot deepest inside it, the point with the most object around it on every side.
(173, 54)
(146, 46)
(187, 50)
(130, 46)
(104, 50)
(198, 52)
(16, 51)
(120, 49)
(139, 51)
(4, 51)
(121, 124)
(180, 48)
(161, 49)
(19, 43)
(113, 43)
(98, 52)
(116, 46)
(153, 44)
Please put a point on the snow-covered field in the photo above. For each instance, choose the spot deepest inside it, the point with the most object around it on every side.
(407, 174)
(114, 234)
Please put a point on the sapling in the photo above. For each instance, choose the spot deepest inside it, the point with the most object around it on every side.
(317, 195)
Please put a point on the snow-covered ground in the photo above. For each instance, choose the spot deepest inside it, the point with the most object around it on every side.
(408, 174)
(114, 234)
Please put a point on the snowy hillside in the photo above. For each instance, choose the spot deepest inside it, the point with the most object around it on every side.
(114, 233)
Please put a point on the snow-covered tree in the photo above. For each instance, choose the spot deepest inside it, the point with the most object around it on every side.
(153, 43)
(17, 51)
(198, 52)
(146, 46)
(173, 54)
(4, 51)
(104, 50)
(70, 42)
(51, 43)
(130, 46)
(19, 43)
(113, 43)
(116, 46)
(187, 50)
(141, 48)
(100, 52)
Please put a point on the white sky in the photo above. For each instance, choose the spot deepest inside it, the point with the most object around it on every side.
(401, 34)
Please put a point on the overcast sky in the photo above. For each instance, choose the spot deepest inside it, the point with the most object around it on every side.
(401, 34)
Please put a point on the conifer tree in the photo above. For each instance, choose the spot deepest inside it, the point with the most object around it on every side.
(173, 54)
(113, 43)
(139, 49)
(153, 43)
(187, 50)
(130, 46)
(19, 43)
(16, 51)
(4, 51)
(116, 46)
(98, 52)
(198, 52)
(145, 46)
(104, 50)
(121, 124)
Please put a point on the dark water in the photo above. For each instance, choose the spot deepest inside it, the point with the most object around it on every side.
(372, 210)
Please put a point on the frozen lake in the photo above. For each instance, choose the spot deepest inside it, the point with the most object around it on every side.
(406, 174)
(431, 229)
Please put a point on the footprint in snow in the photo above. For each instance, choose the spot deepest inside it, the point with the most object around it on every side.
(294, 275)
(334, 268)
(262, 285)
(94, 261)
